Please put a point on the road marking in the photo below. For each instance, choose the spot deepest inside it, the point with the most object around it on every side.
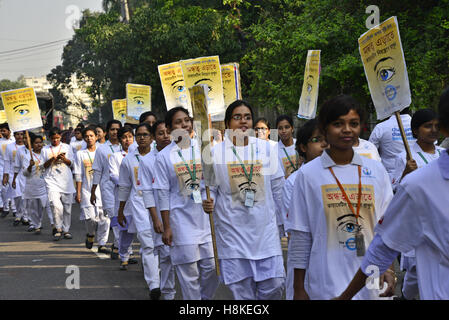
(100, 255)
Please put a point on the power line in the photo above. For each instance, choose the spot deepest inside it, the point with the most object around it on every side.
(52, 43)
(33, 54)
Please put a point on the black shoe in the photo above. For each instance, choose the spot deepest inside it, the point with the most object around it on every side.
(114, 253)
(4, 213)
(132, 261)
(16, 222)
(155, 294)
(31, 229)
(103, 249)
(89, 241)
(124, 265)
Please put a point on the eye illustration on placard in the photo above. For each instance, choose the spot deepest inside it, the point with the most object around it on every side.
(21, 111)
(139, 100)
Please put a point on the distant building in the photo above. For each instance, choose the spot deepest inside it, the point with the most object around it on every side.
(73, 114)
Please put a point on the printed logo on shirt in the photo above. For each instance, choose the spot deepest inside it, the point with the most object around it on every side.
(366, 171)
(4, 148)
(288, 168)
(239, 183)
(366, 155)
(341, 222)
(396, 134)
(88, 169)
(186, 185)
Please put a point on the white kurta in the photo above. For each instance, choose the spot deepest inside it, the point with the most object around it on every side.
(13, 154)
(58, 177)
(101, 176)
(34, 182)
(84, 173)
(318, 208)
(418, 218)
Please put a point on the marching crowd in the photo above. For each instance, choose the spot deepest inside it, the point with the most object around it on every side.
(345, 204)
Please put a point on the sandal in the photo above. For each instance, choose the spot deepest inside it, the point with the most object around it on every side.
(67, 235)
(57, 236)
(89, 241)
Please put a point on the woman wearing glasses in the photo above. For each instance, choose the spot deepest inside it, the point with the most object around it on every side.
(244, 203)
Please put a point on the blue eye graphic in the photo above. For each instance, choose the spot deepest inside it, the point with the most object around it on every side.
(386, 74)
(139, 100)
(22, 109)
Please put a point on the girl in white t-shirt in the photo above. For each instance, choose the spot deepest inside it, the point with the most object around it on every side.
(177, 176)
(310, 143)
(97, 224)
(417, 219)
(337, 200)
(289, 157)
(246, 196)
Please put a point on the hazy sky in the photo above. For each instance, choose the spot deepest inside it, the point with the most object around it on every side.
(26, 23)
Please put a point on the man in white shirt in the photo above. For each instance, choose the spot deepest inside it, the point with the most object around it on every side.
(386, 136)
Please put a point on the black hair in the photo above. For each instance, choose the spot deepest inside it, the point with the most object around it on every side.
(79, 129)
(420, 117)
(338, 106)
(443, 109)
(284, 117)
(89, 128)
(155, 125)
(80, 125)
(123, 130)
(263, 120)
(144, 124)
(110, 123)
(101, 127)
(145, 115)
(4, 125)
(171, 113)
(304, 134)
(232, 106)
(54, 131)
(35, 137)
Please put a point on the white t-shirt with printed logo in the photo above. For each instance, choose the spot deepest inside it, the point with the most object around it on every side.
(288, 165)
(58, 176)
(78, 145)
(318, 208)
(84, 173)
(367, 149)
(189, 223)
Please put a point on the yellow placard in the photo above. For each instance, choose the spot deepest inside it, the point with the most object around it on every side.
(198, 96)
(119, 112)
(138, 99)
(384, 63)
(309, 94)
(173, 86)
(206, 70)
(22, 109)
(230, 75)
(3, 116)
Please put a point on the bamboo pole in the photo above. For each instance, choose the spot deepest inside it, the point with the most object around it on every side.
(212, 231)
(404, 137)
(29, 143)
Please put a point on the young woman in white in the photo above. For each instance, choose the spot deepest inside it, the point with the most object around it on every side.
(6, 139)
(58, 159)
(248, 192)
(288, 156)
(15, 187)
(177, 175)
(79, 143)
(102, 177)
(425, 130)
(97, 224)
(416, 219)
(310, 143)
(150, 199)
(336, 201)
(131, 205)
(35, 191)
(122, 242)
(101, 134)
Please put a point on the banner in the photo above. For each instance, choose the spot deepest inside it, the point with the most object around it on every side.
(119, 112)
(3, 116)
(230, 75)
(173, 86)
(309, 94)
(138, 99)
(384, 63)
(22, 109)
(206, 70)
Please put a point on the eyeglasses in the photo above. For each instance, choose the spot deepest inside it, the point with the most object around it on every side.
(317, 139)
(142, 135)
(238, 117)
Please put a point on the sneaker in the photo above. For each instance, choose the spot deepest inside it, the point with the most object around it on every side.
(114, 253)
(103, 249)
(124, 265)
(37, 231)
(155, 294)
(89, 241)
(16, 222)
(132, 261)
(67, 235)
(57, 236)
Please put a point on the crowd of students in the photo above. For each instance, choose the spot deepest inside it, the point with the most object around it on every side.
(345, 204)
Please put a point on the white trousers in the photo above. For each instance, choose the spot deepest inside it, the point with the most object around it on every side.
(198, 279)
(125, 244)
(149, 259)
(97, 224)
(248, 289)
(167, 273)
(20, 209)
(36, 212)
(61, 207)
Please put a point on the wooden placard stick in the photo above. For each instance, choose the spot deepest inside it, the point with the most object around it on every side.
(29, 143)
(404, 137)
